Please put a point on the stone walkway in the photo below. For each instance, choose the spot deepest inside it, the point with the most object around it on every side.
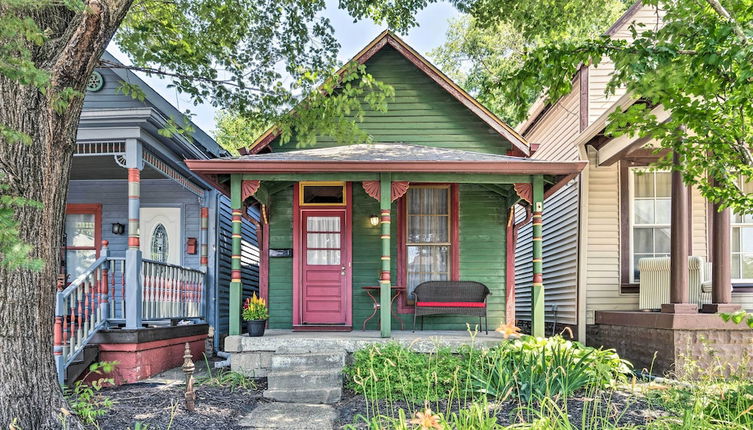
(290, 416)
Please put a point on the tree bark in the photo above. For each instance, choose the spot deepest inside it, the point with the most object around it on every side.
(30, 396)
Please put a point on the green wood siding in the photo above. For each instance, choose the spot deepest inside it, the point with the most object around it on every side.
(422, 113)
(482, 256)
(281, 269)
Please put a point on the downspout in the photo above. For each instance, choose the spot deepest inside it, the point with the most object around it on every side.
(582, 256)
(512, 240)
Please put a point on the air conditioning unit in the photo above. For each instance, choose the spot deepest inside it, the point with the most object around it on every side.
(654, 285)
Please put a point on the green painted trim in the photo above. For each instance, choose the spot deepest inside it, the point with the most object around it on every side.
(235, 287)
(385, 292)
(537, 291)
(459, 178)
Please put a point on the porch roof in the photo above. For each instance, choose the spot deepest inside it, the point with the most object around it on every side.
(384, 157)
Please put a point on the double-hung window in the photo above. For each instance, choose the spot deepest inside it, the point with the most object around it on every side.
(428, 234)
(742, 242)
(82, 233)
(650, 204)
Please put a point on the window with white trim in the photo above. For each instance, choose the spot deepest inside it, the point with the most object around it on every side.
(650, 209)
(742, 242)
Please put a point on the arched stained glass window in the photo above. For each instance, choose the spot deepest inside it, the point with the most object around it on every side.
(160, 244)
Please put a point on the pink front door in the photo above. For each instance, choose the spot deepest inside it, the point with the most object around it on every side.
(325, 265)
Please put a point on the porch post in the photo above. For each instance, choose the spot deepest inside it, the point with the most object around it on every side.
(204, 253)
(679, 293)
(721, 276)
(133, 302)
(235, 278)
(385, 201)
(537, 286)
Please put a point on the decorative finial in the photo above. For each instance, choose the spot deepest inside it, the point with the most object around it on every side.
(188, 369)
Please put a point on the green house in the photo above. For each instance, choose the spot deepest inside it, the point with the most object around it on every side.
(349, 231)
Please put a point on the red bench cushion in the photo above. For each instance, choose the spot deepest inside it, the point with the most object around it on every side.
(452, 304)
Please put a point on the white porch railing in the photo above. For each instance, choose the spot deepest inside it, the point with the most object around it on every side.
(171, 292)
(98, 297)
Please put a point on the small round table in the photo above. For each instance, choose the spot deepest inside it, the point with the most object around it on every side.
(396, 290)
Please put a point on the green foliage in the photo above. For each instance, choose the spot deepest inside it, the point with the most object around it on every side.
(392, 371)
(85, 398)
(696, 64)
(538, 368)
(228, 379)
(14, 253)
(738, 317)
(235, 132)
(481, 50)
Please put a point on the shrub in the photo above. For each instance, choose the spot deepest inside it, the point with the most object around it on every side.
(85, 398)
(534, 368)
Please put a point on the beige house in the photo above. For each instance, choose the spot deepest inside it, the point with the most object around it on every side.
(607, 234)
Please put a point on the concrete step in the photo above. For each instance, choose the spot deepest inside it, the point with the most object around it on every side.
(305, 395)
(289, 380)
(308, 361)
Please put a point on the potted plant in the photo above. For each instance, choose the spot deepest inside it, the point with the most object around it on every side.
(255, 313)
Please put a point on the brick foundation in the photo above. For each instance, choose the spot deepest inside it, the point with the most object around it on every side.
(146, 352)
(679, 345)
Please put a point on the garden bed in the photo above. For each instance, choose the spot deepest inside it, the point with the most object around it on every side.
(622, 408)
(162, 406)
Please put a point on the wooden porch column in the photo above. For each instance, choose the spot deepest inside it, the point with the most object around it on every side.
(721, 277)
(235, 277)
(537, 286)
(385, 201)
(679, 292)
(133, 287)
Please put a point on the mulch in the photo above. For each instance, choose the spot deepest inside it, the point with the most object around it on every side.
(161, 406)
(618, 407)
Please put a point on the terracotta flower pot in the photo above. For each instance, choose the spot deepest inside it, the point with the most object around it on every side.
(256, 327)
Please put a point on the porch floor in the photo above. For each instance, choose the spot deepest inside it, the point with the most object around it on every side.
(421, 341)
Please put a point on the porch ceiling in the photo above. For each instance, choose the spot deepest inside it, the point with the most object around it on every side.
(104, 167)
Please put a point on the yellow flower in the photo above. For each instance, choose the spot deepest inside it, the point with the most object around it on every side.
(426, 420)
(508, 330)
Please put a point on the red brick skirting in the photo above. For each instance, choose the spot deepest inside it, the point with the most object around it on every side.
(147, 354)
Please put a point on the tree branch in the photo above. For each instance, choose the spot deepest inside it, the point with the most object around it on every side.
(717, 6)
(161, 72)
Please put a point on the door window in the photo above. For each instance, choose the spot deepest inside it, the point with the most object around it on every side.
(323, 240)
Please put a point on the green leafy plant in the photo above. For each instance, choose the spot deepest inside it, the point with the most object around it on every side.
(537, 368)
(85, 398)
(255, 309)
(738, 317)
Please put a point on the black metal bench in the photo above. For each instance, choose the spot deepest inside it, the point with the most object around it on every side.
(451, 297)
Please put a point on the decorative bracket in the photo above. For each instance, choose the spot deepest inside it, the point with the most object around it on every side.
(525, 192)
(398, 189)
(249, 188)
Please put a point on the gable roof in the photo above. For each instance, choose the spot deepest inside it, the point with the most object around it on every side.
(388, 38)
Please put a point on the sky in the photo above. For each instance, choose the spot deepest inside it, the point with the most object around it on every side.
(430, 33)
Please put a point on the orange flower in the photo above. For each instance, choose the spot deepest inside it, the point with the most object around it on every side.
(426, 420)
(508, 330)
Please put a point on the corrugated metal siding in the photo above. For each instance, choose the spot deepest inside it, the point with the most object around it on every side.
(555, 133)
(249, 263)
(422, 113)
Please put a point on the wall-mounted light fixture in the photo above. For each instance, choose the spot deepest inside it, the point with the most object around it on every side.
(118, 228)
(374, 220)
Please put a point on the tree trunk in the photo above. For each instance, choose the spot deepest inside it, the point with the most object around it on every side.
(30, 396)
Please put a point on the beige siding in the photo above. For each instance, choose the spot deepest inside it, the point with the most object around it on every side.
(555, 133)
(598, 77)
(700, 234)
(603, 242)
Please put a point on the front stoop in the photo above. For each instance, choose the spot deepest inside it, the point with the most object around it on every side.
(306, 377)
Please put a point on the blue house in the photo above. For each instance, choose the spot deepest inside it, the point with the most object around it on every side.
(145, 266)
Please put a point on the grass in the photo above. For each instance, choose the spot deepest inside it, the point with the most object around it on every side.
(226, 378)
